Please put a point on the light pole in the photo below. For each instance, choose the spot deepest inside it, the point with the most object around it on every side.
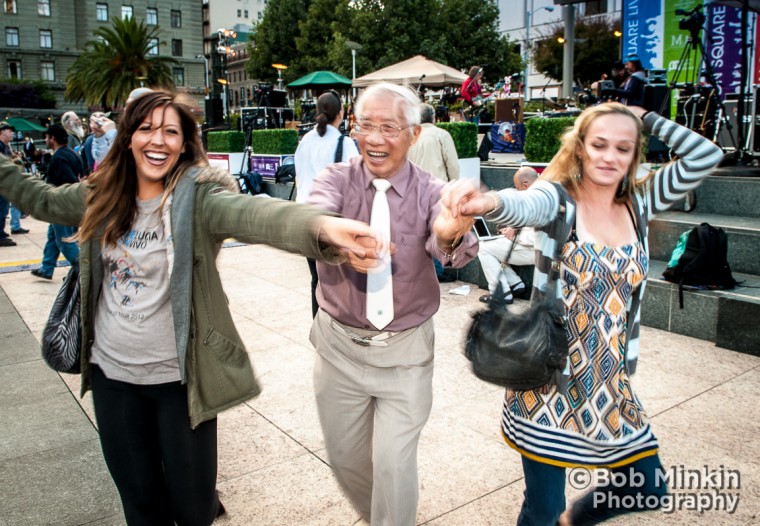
(353, 46)
(223, 47)
(528, 15)
(205, 65)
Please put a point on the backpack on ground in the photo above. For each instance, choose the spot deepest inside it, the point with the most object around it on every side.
(700, 259)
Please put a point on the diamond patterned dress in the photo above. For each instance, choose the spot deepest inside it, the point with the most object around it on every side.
(600, 421)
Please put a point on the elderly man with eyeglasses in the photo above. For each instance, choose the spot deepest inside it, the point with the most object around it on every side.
(374, 331)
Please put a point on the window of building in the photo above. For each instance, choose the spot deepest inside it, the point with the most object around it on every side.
(46, 38)
(151, 16)
(101, 12)
(176, 18)
(176, 47)
(47, 70)
(245, 14)
(239, 11)
(153, 46)
(10, 7)
(43, 7)
(260, 15)
(179, 76)
(11, 36)
(126, 11)
(596, 7)
(14, 69)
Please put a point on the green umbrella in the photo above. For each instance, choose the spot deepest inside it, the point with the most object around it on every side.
(23, 125)
(321, 79)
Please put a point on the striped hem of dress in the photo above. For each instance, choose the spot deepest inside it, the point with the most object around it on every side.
(557, 448)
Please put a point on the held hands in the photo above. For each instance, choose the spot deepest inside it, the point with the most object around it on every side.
(448, 227)
(461, 198)
(356, 241)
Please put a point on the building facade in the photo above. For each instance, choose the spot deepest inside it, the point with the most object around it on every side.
(42, 39)
(518, 18)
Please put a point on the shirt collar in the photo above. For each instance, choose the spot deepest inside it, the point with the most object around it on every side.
(399, 182)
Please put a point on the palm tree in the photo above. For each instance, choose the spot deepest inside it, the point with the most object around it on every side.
(117, 62)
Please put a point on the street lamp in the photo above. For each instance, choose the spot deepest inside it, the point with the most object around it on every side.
(223, 82)
(279, 68)
(528, 15)
(353, 46)
(205, 65)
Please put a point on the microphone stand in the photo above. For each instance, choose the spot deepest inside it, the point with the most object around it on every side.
(543, 96)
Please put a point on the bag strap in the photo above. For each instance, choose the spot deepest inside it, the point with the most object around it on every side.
(339, 149)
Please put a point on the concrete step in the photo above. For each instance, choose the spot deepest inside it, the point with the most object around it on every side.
(727, 317)
(729, 196)
(743, 237)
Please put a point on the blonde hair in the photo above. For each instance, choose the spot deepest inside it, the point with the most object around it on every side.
(112, 196)
(566, 167)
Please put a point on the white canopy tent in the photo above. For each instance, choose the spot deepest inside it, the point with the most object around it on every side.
(413, 72)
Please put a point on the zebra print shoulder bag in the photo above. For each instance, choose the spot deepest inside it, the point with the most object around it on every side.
(62, 337)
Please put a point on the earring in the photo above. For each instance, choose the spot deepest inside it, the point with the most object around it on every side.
(578, 176)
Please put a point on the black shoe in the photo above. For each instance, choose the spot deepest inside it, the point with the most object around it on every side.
(485, 298)
(7, 242)
(522, 293)
(20, 231)
(508, 299)
(446, 278)
(38, 274)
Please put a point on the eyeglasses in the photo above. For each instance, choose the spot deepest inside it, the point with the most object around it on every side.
(389, 131)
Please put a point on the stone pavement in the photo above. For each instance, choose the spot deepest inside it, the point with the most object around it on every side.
(703, 401)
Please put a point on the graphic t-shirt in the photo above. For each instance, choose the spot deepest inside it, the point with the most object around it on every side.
(134, 328)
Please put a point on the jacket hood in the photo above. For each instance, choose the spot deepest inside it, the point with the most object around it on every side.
(212, 174)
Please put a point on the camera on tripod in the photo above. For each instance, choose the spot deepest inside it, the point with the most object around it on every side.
(695, 19)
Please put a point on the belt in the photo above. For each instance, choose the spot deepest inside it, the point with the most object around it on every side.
(378, 340)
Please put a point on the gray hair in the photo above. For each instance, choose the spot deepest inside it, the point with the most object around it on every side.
(405, 102)
(427, 113)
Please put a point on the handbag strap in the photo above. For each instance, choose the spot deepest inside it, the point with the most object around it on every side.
(512, 245)
(339, 149)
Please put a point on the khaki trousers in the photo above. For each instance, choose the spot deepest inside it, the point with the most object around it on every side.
(373, 401)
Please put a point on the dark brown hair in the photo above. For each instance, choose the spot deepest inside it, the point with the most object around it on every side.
(112, 197)
(328, 108)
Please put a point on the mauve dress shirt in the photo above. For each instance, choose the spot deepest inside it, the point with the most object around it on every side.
(346, 188)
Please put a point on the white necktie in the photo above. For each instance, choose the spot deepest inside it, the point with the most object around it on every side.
(379, 281)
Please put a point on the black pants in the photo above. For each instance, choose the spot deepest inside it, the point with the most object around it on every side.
(164, 470)
(314, 281)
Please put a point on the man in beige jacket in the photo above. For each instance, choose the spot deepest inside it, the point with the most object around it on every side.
(434, 150)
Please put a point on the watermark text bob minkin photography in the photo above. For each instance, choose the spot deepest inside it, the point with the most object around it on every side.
(702, 489)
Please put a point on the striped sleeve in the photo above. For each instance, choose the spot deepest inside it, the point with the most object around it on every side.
(534, 207)
(697, 157)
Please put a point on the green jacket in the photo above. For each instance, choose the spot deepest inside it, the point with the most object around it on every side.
(206, 210)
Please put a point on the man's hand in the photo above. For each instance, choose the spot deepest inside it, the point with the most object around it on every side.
(450, 229)
(509, 232)
(355, 240)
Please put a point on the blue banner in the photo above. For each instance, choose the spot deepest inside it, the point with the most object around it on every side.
(644, 31)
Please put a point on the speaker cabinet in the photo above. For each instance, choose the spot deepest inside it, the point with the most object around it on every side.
(214, 112)
(508, 110)
(657, 98)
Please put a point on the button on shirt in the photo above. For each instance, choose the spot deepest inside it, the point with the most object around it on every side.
(413, 200)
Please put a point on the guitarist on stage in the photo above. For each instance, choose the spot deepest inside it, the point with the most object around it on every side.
(472, 95)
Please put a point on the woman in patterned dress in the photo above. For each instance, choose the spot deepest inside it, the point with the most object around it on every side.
(592, 419)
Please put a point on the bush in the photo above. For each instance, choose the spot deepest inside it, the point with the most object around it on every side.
(542, 137)
(26, 94)
(274, 142)
(465, 135)
(226, 141)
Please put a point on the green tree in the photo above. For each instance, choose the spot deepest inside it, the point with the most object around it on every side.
(274, 40)
(471, 29)
(596, 48)
(117, 62)
(318, 35)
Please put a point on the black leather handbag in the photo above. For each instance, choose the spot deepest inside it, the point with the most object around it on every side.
(62, 336)
(517, 347)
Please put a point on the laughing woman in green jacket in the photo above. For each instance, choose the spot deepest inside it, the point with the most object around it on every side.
(159, 348)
